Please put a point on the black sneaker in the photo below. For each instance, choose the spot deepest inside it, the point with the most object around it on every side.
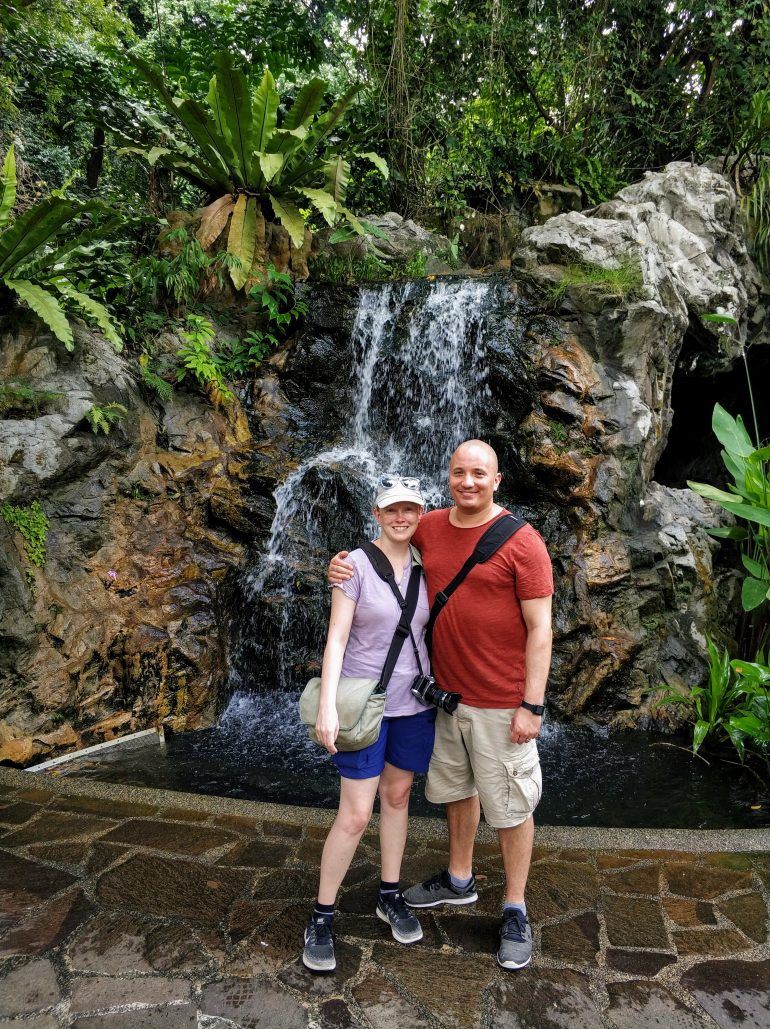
(403, 924)
(439, 890)
(318, 954)
(515, 941)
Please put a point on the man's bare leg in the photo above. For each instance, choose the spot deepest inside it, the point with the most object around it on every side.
(462, 821)
(516, 849)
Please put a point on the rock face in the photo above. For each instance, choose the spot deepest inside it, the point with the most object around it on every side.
(128, 621)
(121, 627)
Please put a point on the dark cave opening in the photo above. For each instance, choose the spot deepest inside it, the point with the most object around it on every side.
(693, 451)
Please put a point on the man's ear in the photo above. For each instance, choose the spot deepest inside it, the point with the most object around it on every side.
(498, 479)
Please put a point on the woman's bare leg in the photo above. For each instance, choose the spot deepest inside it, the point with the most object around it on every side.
(355, 810)
(395, 787)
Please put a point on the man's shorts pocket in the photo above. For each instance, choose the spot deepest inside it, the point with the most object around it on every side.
(525, 786)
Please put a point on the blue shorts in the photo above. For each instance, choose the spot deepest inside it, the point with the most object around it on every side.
(406, 742)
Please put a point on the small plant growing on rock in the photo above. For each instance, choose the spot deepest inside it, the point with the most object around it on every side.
(623, 282)
(31, 523)
(199, 360)
(102, 419)
(17, 400)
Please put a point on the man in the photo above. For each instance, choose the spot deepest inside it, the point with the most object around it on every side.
(492, 644)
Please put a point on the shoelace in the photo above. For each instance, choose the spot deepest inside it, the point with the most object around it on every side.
(399, 907)
(321, 931)
(514, 926)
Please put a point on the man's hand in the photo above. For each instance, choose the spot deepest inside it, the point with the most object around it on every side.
(327, 727)
(339, 569)
(525, 726)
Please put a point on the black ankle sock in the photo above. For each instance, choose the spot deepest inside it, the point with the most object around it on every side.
(326, 910)
(388, 888)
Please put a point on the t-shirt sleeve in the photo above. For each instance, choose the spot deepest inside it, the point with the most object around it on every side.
(352, 587)
(532, 565)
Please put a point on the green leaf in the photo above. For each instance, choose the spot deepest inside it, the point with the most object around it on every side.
(354, 223)
(754, 567)
(711, 492)
(751, 512)
(36, 226)
(337, 175)
(753, 593)
(731, 432)
(265, 112)
(729, 532)
(379, 163)
(242, 238)
(719, 319)
(307, 104)
(235, 112)
(700, 733)
(290, 217)
(92, 308)
(46, 307)
(323, 202)
(7, 186)
(270, 164)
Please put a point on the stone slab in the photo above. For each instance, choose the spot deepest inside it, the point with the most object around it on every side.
(544, 998)
(178, 1016)
(749, 912)
(642, 879)
(56, 825)
(575, 940)
(29, 988)
(734, 993)
(690, 914)
(638, 1005)
(257, 854)
(253, 1003)
(103, 991)
(25, 884)
(313, 984)
(558, 887)
(703, 882)
(166, 887)
(47, 927)
(634, 922)
(335, 1014)
(384, 1007)
(17, 814)
(709, 941)
(637, 962)
(170, 836)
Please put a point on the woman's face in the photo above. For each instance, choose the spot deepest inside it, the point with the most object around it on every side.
(398, 522)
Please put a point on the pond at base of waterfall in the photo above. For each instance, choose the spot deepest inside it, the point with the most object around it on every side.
(258, 751)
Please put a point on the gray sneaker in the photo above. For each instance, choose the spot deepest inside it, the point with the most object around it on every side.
(439, 890)
(318, 954)
(515, 941)
(403, 924)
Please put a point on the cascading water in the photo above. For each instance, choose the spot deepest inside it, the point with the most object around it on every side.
(418, 381)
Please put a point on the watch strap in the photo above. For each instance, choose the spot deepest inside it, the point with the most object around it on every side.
(536, 709)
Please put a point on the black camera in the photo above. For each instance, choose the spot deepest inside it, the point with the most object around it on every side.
(427, 691)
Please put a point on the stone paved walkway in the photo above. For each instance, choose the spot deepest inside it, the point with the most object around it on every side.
(119, 914)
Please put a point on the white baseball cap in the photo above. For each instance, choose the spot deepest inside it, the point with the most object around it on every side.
(399, 489)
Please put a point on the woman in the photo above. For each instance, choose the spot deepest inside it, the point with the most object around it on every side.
(364, 616)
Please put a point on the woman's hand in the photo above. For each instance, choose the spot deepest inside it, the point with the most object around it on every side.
(327, 727)
(340, 570)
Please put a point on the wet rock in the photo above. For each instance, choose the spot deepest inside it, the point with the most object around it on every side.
(544, 999)
(709, 941)
(749, 913)
(180, 1016)
(633, 922)
(637, 962)
(29, 988)
(180, 839)
(335, 1014)
(557, 886)
(643, 879)
(253, 1004)
(102, 991)
(689, 913)
(17, 814)
(163, 887)
(575, 940)
(47, 927)
(637, 1004)
(313, 984)
(704, 883)
(24, 884)
(732, 992)
(472, 933)
(56, 825)
(384, 1007)
(469, 976)
(256, 854)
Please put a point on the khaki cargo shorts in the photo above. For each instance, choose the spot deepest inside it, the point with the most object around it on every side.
(473, 755)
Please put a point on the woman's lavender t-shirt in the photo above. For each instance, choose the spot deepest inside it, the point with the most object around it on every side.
(374, 623)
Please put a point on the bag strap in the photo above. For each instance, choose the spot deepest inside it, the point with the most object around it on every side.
(407, 604)
(498, 533)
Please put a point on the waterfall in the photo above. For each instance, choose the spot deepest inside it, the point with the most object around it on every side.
(417, 385)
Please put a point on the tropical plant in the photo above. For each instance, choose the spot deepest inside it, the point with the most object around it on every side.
(750, 169)
(199, 360)
(248, 166)
(733, 704)
(41, 252)
(748, 498)
(102, 419)
(32, 524)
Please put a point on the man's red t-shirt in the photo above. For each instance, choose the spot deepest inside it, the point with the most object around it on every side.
(480, 637)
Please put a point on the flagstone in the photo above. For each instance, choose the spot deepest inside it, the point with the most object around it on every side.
(689, 914)
(335, 1014)
(704, 882)
(25, 884)
(709, 941)
(177, 1016)
(749, 913)
(641, 879)
(254, 1003)
(557, 887)
(734, 993)
(634, 922)
(179, 839)
(638, 962)
(473, 933)
(311, 984)
(70, 853)
(574, 940)
(103, 991)
(384, 1007)
(29, 988)
(17, 814)
(257, 854)
(544, 998)
(47, 927)
(56, 825)
(636, 1005)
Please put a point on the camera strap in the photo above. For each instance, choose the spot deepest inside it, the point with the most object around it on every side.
(407, 604)
(498, 533)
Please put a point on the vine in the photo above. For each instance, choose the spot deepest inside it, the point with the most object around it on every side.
(31, 523)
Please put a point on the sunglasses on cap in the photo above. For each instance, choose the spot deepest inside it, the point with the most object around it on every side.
(387, 481)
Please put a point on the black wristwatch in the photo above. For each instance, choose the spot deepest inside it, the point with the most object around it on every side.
(536, 709)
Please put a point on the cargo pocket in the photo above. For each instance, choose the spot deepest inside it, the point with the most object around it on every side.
(525, 785)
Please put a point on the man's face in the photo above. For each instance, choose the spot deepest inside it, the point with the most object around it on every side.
(473, 477)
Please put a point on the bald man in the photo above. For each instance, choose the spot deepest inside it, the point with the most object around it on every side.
(491, 644)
